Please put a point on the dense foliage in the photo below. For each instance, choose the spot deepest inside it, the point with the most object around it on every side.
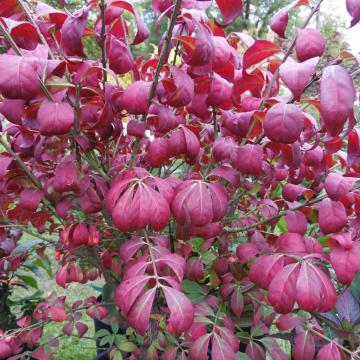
(219, 204)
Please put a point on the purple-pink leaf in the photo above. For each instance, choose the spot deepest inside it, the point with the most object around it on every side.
(297, 75)
(296, 222)
(330, 352)
(282, 289)
(230, 9)
(199, 348)
(353, 8)
(135, 97)
(337, 186)
(181, 311)
(249, 159)
(221, 350)
(30, 199)
(283, 123)
(199, 203)
(280, 20)
(139, 315)
(19, 79)
(120, 57)
(55, 118)
(310, 43)
(332, 216)
(72, 32)
(337, 96)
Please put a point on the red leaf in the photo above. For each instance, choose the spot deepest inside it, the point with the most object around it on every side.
(72, 32)
(332, 216)
(338, 186)
(282, 289)
(310, 43)
(283, 123)
(23, 33)
(18, 78)
(280, 20)
(330, 352)
(237, 302)
(297, 75)
(337, 96)
(353, 8)
(55, 118)
(230, 9)
(273, 348)
(142, 30)
(139, 315)
(30, 199)
(259, 51)
(181, 311)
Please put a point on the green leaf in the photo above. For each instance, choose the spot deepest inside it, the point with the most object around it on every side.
(281, 226)
(192, 287)
(241, 356)
(115, 328)
(25, 246)
(109, 339)
(29, 280)
(96, 287)
(196, 244)
(101, 333)
(355, 286)
(116, 355)
(127, 346)
(44, 264)
(208, 258)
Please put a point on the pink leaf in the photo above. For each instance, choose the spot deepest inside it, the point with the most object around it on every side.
(259, 51)
(282, 289)
(297, 75)
(237, 302)
(337, 96)
(304, 348)
(265, 268)
(230, 9)
(255, 351)
(310, 43)
(353, 8)
(338, 186)
(249, 159)
(332, 216)
(135, 97)
(314, 290)
(280, 20)
(30, 199)
(55, 118)
(129, 290)
(199, 348)
(283, 123)
(139, 315)
(181, 311)
(19, 78)
(221, 350)
(199, 203)
(345, 262)
(296, 222)
(273, 348)
(120, 57)
(330, 352)
(72, 32)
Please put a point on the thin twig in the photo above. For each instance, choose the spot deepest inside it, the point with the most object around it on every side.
(102, 41)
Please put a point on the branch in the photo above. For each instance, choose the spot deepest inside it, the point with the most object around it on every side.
(160, 64)
(102, 41)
